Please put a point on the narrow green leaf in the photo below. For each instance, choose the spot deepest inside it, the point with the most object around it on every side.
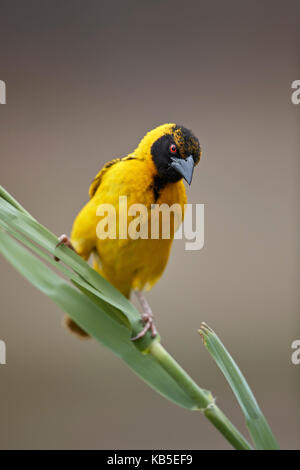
(31, 229)
(94, 320)
(259, 429)
(8, 197)
(99, 309)
(75, 278)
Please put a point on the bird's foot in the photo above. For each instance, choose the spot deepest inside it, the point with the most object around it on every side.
(64, 240)
(147, 320)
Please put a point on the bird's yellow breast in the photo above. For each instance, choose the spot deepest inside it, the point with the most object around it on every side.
(127, 263)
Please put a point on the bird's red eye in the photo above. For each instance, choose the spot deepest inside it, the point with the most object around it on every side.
(173, 148)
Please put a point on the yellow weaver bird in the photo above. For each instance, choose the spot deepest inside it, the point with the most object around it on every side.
(152, 174)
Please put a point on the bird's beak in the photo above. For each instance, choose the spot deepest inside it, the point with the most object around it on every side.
(185, 167)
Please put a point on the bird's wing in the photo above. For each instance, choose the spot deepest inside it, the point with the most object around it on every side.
(97, 180)
(102, 190)
(99, 177)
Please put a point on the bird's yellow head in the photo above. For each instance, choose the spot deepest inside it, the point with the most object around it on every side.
(173, 149)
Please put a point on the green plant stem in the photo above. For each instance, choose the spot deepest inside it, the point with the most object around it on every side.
(204, 398)
(226, 428)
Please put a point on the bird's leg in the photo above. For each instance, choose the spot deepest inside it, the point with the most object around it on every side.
(64, 240)
(146, 317)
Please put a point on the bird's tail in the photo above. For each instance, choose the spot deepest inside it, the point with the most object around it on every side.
(74, 328)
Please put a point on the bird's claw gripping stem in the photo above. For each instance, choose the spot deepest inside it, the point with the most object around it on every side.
(147, 319)
(64, 240)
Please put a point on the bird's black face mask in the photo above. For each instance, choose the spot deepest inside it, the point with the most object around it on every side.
(175, 157)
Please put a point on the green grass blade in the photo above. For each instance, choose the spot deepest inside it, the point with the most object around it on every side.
(93, 319)
(259, 429)
(34, 231)
(99, 309)
(75, 278)
(8, 197)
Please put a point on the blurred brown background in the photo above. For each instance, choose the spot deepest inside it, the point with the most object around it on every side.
(85, 80)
